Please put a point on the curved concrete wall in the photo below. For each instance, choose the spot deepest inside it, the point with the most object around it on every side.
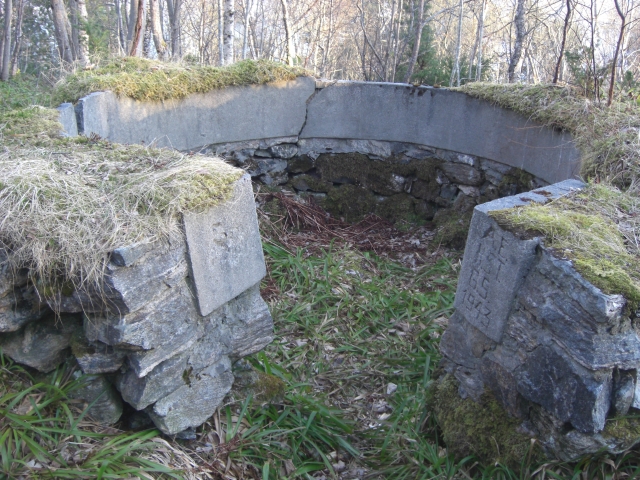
(309, 109)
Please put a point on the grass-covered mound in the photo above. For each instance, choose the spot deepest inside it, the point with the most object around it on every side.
(149, 80)
(65, 203)
(608, 137)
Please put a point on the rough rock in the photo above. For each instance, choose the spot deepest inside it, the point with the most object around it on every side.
(20, 306)
(191, 404)
(286, 150)
(103, 402)
(41, 345)
(462, 173)
(95, 357)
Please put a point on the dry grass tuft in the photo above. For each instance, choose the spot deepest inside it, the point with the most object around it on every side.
(608, 137)
(150, 80)
(66, 203)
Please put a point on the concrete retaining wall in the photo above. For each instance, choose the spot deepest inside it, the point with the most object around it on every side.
(306, 109)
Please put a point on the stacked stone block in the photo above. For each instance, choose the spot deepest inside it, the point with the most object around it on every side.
(554, 350)
(164, 333)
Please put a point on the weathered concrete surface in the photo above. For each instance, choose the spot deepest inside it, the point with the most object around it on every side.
(442, 119)
(68, 120)
(226, 115)
(225, 252)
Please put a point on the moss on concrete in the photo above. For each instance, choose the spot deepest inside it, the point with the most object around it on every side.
(150, 80)
(482, 429)
(582, 227)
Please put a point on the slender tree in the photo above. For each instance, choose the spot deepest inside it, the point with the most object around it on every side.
(516, 53)
(565, 29)
(416, 42)
(483, 11)
(6, 44)
(623, 24)
(229, 28)
(17, 41)
(289, 48)
(138, 31)
(455, 73)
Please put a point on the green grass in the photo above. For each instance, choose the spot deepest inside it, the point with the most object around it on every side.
(43, 435)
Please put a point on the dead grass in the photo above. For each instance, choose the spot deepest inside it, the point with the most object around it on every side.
(150, 80)
(66, 203)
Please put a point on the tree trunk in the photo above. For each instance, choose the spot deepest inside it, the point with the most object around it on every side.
(138, 31)
(245, 31)
(612, 82)
(62, 31)
(480, 37)
(567, 17)
(120, 26)
(519, 22)
(17, 39)
(229, 27)
(82, 47)
(455, 73)
(416, 43)
(174, 7)
(396, 43)
(156, 30)
(290, 53)
(6, 45)
(131, 22)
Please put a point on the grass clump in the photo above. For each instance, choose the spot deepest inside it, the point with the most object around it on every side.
(597, 228)
(44, 435)
(65, 203)
(608, 137)
(150, 80)
(482, 429)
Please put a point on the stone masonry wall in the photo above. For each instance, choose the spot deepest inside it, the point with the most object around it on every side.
(554, 350)
(165, 332)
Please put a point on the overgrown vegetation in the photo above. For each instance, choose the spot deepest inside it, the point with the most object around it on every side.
(67, 202)
(608, 137)
(149, 80)
(597, 228)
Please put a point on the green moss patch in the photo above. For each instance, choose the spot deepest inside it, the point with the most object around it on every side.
(596, 228)
(150, 80)
(67, 202)
(607, 137)
(482, 429)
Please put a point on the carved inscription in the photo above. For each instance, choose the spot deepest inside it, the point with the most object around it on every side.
(492, 272)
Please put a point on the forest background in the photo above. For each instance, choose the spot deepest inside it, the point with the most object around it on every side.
(593, 44)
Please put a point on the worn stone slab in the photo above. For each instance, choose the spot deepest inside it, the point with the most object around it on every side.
(442, 119)
(96, 357)
(578, 316)
(191, 404)
(67, 117)
(225, 250)
(494, 267)
(496, 263)
(41, 345)
(231, 114)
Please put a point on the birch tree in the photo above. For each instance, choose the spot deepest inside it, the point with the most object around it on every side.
(229, 27)
(516, 53)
